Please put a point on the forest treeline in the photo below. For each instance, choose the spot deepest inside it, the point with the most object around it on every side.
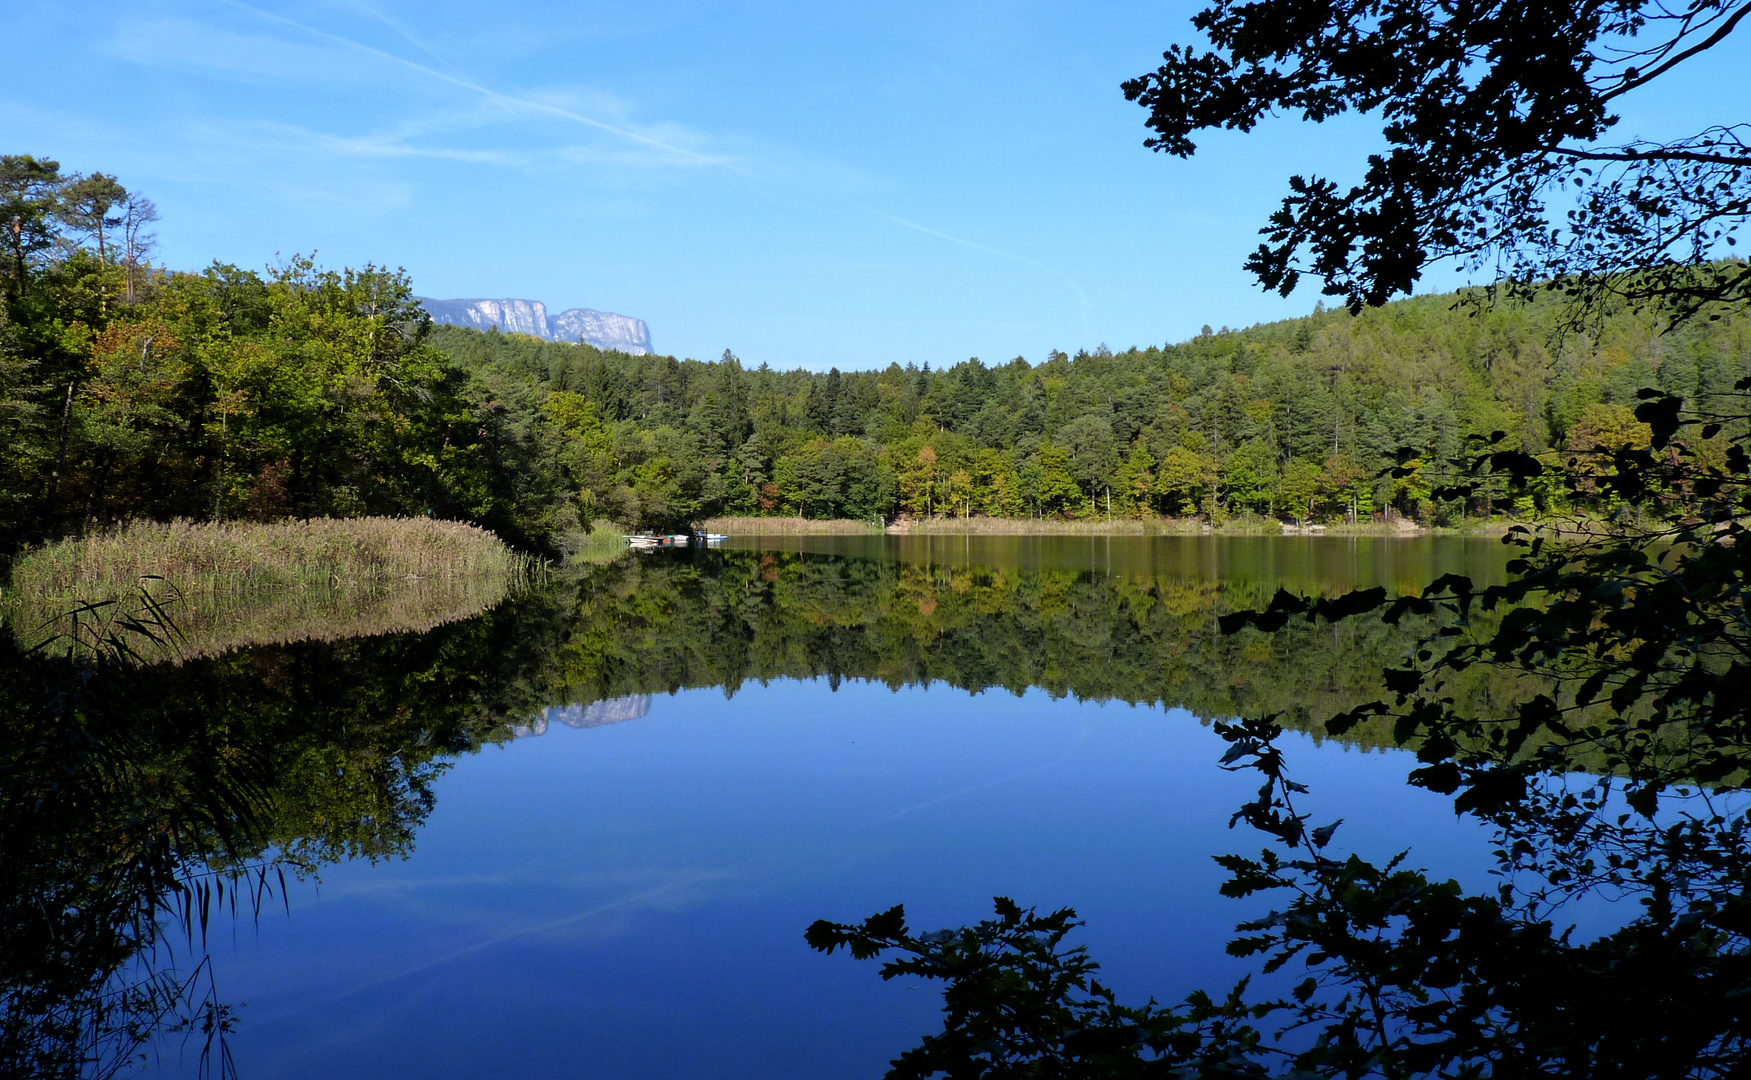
(131, 391)
(1307, 419)
(128, 391)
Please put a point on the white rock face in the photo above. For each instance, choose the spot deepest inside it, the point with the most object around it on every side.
(602, 329)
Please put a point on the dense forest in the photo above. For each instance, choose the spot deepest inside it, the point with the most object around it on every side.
(1299, 419)
(133, 391)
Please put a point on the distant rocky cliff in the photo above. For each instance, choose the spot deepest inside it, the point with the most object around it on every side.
(602, 329)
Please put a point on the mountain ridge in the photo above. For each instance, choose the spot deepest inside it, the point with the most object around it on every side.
(603, 329)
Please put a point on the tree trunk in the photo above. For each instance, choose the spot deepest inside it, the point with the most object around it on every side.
(17, 256)
(94, 498)
(219, 467)
(60, 455)
(103, 260)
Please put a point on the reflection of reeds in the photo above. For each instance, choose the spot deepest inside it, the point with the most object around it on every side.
(226, 586)
(212, 626)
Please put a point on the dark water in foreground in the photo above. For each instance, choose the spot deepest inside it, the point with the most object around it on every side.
(602, 816)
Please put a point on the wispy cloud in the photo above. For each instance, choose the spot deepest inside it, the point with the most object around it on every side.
(320, 58)
(382, 146)
(195, 47)
(387, 91)
(666, 894)
(511, 101)
(289, 50)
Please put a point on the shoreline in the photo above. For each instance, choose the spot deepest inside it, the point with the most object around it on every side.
(987, 526)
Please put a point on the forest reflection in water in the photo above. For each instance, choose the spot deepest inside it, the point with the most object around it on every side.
(296, 757)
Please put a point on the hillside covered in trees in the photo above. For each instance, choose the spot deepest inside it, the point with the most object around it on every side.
(1298, 419)
(128, 391)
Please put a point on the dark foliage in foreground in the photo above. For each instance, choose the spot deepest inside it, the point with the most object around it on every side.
(1498, 120)
(1019, 1003)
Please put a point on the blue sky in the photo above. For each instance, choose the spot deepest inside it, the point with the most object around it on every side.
(805, 184)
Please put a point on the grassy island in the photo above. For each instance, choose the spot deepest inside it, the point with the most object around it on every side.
(226, 585)
(237, 558)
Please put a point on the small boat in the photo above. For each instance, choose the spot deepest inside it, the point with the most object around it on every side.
(642, 541)
(714, 538)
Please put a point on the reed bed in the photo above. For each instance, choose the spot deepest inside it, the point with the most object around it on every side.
(228, 559)
(228, 585)
(604, 542)
(788, 526)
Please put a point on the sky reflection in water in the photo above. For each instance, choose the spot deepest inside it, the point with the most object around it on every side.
(629, 900)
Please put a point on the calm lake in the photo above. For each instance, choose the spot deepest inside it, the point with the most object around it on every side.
(582, 834)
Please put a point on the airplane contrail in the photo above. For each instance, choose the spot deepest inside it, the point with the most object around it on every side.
(408, 36)
(1081, 297)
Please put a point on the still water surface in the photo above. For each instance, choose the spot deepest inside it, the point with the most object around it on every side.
(823, 727)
